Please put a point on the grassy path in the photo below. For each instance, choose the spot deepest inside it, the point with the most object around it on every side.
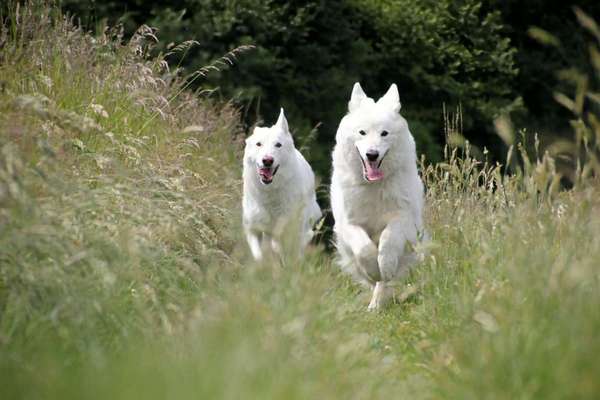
(123, 273)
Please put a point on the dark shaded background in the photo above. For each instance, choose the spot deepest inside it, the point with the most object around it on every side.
(309, 53)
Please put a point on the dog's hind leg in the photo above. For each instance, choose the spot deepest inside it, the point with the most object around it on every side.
(306, 233)
(305, 238)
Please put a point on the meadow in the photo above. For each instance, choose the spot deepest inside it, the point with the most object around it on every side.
(123, 271)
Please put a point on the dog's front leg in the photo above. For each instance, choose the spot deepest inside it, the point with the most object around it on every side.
(363, 248)
(392, 243)
(254, 242)
(276, 246)
(382, 294)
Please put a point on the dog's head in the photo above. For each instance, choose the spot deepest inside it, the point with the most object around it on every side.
(269, 149)
(374, 133)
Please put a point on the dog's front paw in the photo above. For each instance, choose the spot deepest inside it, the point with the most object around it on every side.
(382, 295)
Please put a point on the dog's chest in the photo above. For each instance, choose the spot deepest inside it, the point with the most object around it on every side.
(266, 209)
(371, 206)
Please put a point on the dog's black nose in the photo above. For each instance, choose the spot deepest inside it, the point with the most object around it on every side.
(372, 155)
(267, 161)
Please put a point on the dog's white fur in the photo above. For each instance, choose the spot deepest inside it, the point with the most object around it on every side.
(285, 205)
(375, 220)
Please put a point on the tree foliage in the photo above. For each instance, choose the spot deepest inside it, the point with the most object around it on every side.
(308, 53)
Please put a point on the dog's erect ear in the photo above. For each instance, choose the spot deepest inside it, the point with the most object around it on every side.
(282, 122)
(391, 98)
(358, 95)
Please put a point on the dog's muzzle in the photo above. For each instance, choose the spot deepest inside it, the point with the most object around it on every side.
(372, 166)
(266, 174)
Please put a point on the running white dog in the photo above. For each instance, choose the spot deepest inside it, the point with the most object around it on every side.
(279, 191)
(376, 192)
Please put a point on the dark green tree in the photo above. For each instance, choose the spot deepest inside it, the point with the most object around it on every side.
(309, 53)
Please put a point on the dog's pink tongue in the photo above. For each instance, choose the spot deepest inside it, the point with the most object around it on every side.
(266, 173)
(374, 173)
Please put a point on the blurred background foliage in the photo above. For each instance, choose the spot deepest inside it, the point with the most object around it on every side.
(479, 55)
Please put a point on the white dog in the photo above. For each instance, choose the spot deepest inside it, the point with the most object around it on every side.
(279, 191)
(376, 192)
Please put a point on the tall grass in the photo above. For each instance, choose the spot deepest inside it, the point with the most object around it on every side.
(117, 189)
(122, 272)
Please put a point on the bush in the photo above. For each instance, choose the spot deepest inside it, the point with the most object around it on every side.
(443, 51)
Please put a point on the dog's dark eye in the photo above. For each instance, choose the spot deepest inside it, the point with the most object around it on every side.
(363, 133)
(384, 133)
(277, 144)
(258, 144)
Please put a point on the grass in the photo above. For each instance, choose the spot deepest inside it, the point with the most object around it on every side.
(123, 273)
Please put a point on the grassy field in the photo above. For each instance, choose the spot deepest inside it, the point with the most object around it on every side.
(123, 273)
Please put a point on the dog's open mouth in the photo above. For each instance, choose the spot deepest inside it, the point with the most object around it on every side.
(372, 169)
(267, 173)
